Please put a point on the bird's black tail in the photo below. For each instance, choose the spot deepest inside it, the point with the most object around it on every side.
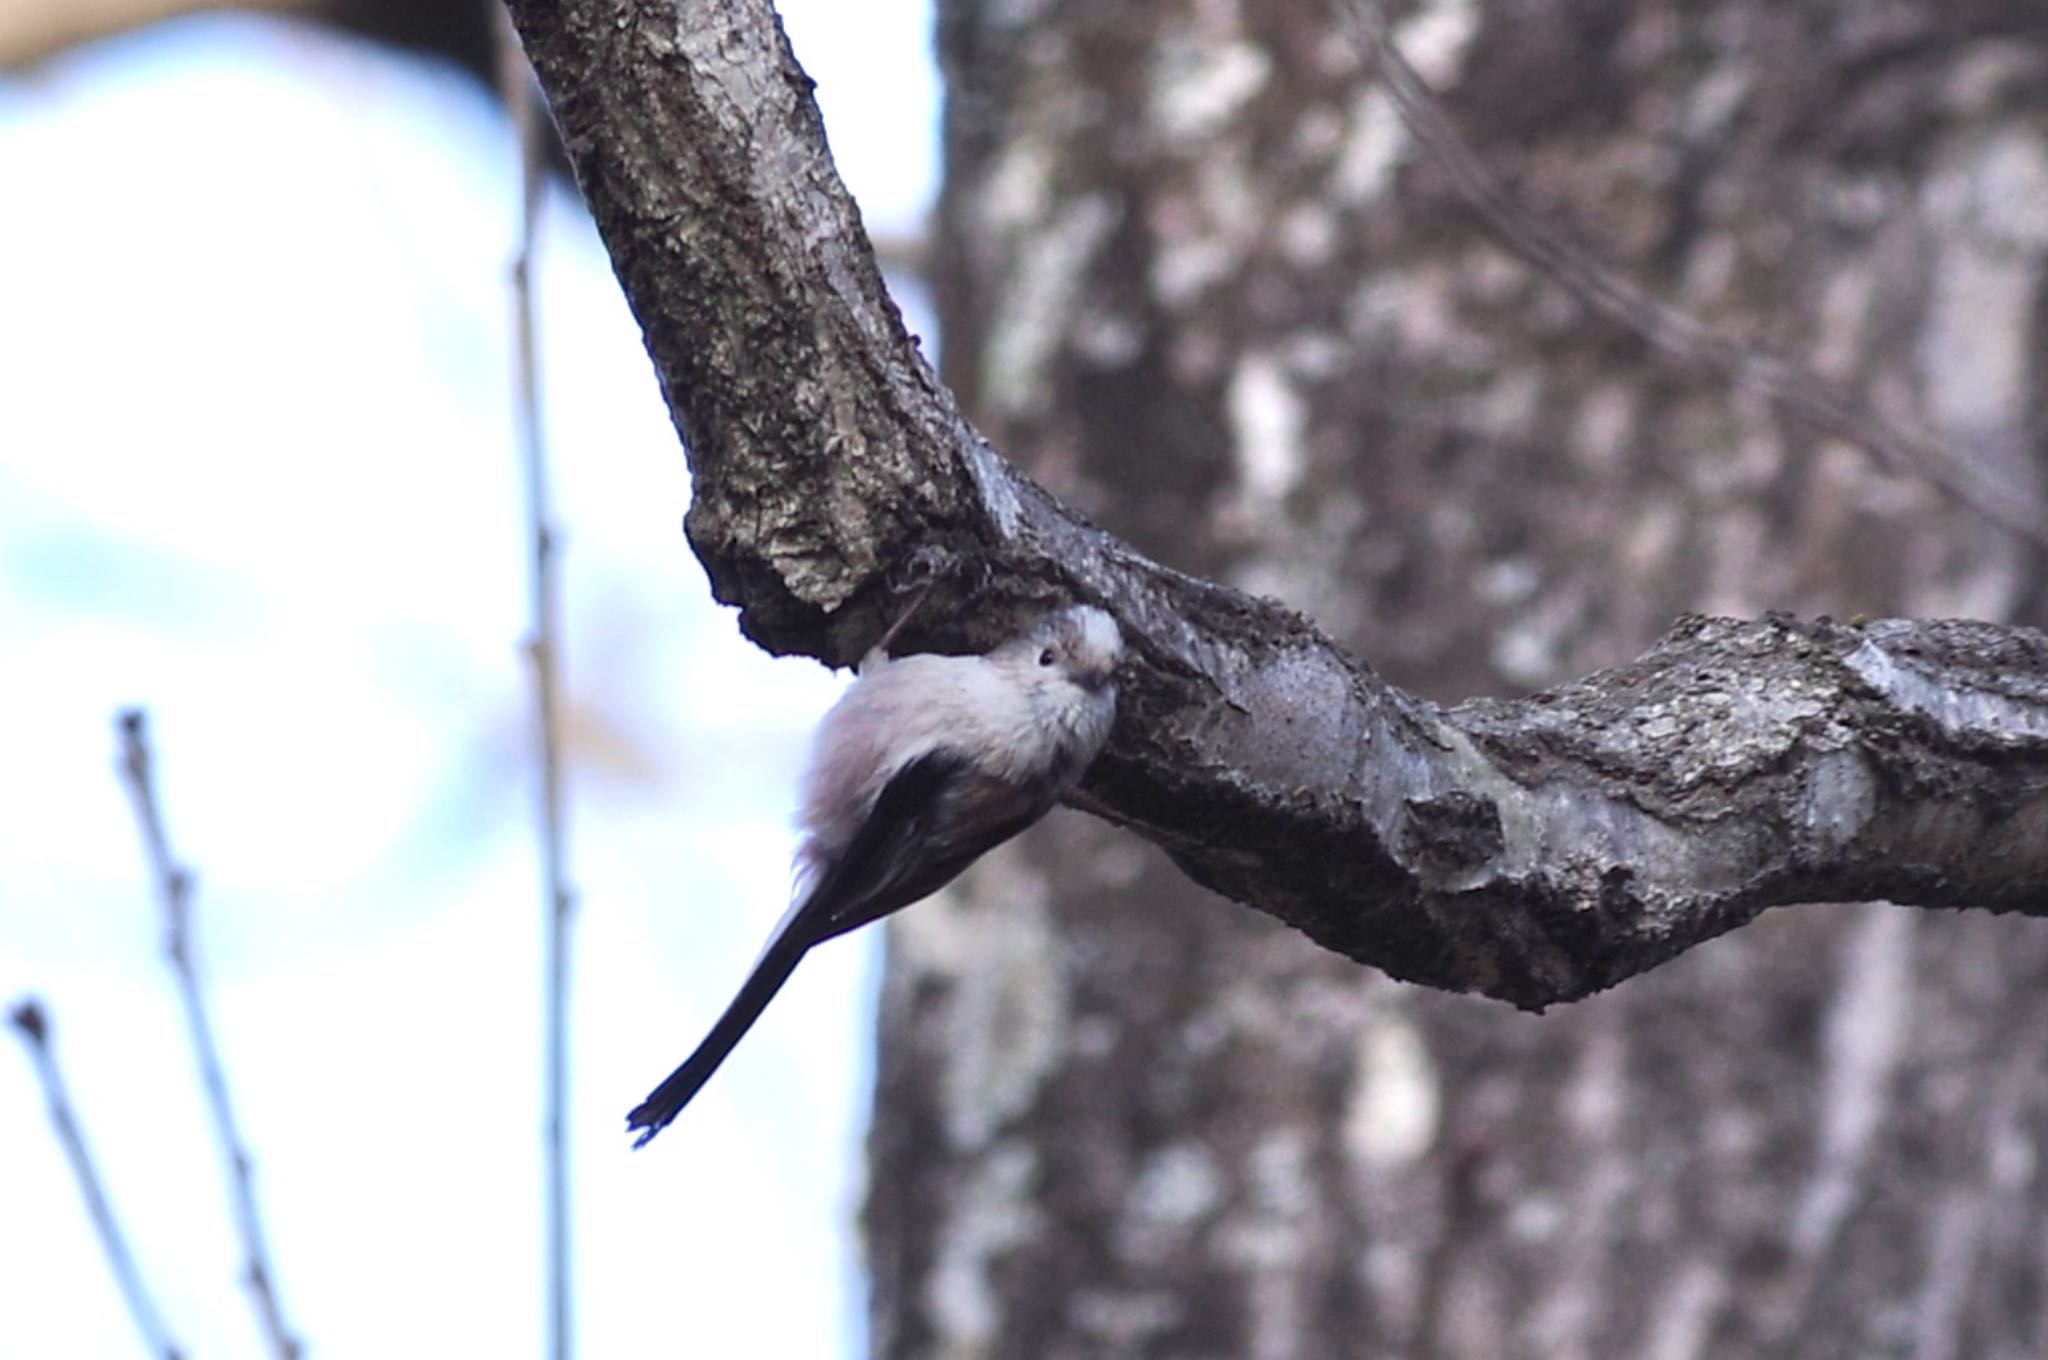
(777, 962)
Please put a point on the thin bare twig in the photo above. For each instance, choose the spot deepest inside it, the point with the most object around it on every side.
(1793, 387)
(174, 893)
(33, 1024)
(917, 599)
(543, 649)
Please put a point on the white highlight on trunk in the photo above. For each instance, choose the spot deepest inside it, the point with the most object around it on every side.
(1435, 37)
(1860, 1051)
(1267, 1242)
(1977, 353)
(1391, 1118)
(1038, 304)
(2010, 190)
(1008, 1019)
(991, 1214)
(1686, 1313)
(1593, 1105)
(1179, 1187)
(1198, 87)
(1268, 420)
(1373, 147)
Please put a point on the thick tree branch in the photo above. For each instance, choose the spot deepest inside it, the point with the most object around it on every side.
(1535, 850)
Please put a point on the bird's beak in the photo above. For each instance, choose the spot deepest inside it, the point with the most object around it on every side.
(1093, 681)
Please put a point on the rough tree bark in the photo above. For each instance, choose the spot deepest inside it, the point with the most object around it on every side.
(1198, 279)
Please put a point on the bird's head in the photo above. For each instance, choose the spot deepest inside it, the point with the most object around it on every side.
(1079, 646)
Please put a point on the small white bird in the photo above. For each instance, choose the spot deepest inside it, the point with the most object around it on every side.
(925, 763)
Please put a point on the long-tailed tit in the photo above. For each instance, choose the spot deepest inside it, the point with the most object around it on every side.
(925, 763)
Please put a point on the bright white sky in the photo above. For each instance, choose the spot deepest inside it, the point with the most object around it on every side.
(256, 473)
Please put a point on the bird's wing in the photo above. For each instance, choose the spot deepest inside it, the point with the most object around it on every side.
(934, 817)
(930, 821)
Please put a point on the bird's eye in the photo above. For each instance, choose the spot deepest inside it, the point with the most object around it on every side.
(1045, 658)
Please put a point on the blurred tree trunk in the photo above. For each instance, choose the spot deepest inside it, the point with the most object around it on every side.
(1195, 275)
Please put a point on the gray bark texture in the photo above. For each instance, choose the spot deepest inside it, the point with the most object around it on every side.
(1198, 277)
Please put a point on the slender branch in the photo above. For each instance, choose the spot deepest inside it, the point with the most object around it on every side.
(1793, 387)
(543, 649)
(1535, 850)
(174, 895)
(33, 1024)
